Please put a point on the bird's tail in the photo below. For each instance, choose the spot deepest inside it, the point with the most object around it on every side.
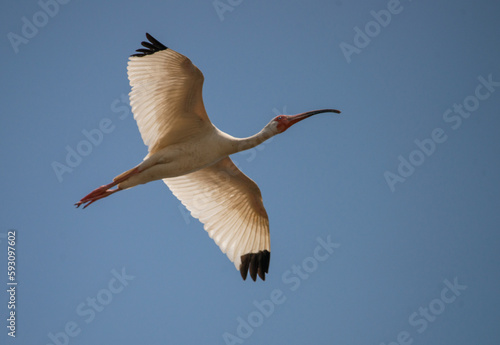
(125, 175)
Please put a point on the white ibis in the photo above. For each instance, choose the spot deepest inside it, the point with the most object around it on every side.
(191, 156)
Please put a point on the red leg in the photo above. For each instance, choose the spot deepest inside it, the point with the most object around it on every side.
(89, 200)
(105, 190)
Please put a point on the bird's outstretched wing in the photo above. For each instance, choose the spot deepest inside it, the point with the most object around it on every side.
(166, 96)
(230, 206)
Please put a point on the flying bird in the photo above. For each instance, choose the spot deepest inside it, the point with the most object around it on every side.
(191, 156)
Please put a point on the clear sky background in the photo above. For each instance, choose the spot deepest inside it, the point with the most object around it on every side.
(398, 250)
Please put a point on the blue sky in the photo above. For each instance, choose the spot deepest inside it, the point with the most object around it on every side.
(403, 184)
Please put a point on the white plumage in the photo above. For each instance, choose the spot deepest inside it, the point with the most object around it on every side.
(229, 204)
(192, 156)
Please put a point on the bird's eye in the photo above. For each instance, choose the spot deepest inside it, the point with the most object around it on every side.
(280, 118)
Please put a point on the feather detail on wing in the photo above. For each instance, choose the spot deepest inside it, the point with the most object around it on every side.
(166, 96)
(230, 206)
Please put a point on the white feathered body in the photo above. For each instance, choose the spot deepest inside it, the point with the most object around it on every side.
(197, 152)
(191, 156)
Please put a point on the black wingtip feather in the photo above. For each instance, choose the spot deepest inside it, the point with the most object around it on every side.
(244, 268)
(153, 46)
(148, 45)
(256, 264)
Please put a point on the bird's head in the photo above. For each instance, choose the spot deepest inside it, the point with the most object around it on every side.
(282, 122)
